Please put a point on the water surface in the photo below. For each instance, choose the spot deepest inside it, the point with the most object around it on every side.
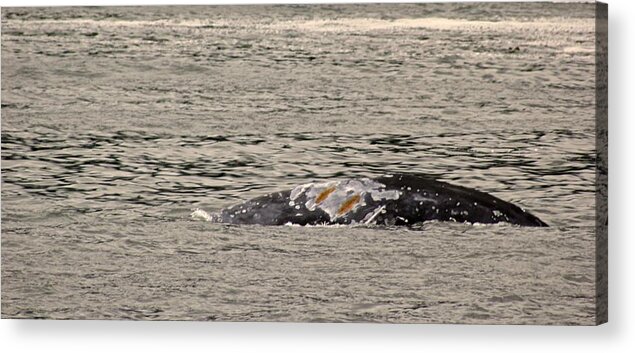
(118, 122)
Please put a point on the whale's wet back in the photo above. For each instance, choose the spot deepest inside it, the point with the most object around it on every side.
(399, 199)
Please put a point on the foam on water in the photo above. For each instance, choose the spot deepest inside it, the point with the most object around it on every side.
(201, 215)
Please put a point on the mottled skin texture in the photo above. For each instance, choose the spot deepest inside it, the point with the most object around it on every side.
(420, 199)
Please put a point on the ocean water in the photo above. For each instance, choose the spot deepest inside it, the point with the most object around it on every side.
(118, 122)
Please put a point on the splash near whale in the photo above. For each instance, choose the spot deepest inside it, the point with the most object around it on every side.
(398, 199)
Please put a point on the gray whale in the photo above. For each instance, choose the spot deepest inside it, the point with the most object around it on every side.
(398, 199)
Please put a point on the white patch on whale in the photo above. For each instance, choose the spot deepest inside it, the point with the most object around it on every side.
(341, 192)
(385, 195)
(372, 215)
(418, 197)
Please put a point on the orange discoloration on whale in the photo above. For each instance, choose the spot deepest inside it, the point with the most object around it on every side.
(348, 204)
(324, 194)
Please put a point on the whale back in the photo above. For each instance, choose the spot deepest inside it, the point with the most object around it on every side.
(426, 198)
(399, 199)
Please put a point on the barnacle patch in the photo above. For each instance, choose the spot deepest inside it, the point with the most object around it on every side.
(341, 197)
(348, 204)
(324, 194)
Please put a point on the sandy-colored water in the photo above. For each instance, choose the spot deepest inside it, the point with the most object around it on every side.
(118, 122)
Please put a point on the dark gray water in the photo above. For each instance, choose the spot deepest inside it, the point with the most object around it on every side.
(118, 122)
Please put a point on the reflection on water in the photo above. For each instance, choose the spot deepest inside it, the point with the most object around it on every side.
(118, 122)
